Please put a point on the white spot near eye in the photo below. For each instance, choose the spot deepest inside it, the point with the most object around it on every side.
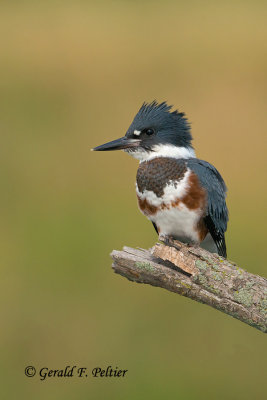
(137, 133)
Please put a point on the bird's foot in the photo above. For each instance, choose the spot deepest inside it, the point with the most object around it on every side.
(169, 241)
(165, 238)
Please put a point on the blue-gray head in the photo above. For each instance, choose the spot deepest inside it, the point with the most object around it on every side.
(155, 131)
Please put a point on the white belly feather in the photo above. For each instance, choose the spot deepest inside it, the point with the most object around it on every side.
(179, 221)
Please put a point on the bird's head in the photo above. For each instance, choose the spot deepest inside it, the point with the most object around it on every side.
(155, 131)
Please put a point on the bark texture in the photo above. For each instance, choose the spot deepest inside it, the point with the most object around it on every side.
(199, 275)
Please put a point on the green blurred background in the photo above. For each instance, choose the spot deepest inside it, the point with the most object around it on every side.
(72, 75)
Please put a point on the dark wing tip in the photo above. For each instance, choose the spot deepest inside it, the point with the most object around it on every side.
(217, 236)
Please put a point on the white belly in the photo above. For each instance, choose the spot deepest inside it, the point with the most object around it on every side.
(176, 220)
(179, 222)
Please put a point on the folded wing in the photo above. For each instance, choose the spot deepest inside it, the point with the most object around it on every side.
(217, 213)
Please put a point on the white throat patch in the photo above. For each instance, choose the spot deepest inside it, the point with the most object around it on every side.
(163, 150)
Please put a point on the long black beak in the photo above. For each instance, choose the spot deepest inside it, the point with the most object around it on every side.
(118, 144)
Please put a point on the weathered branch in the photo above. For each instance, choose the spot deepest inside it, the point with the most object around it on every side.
(200, 275)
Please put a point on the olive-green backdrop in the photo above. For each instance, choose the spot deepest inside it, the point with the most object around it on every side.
(72, 76)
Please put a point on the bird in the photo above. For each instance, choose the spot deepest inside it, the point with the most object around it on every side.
(184, 197)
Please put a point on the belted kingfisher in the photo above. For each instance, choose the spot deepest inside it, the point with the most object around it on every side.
(183, 196)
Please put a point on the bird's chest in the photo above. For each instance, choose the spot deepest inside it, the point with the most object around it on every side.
(169, 194)
(161, 181)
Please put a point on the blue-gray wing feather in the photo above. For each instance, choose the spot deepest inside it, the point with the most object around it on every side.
(217, 213)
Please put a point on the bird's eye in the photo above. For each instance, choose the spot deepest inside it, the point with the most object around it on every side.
(149, 131)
